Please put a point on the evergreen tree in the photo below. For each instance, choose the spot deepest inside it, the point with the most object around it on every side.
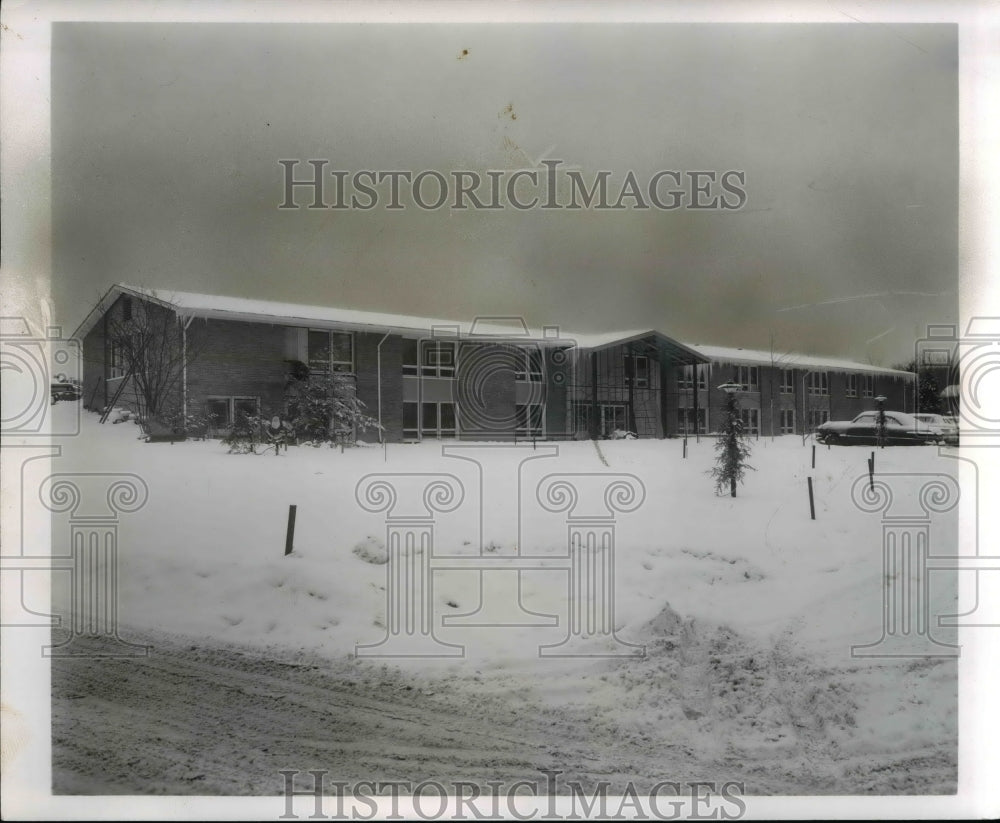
(732, 450)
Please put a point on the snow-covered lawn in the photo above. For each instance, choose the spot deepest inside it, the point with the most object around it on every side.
(747, 607)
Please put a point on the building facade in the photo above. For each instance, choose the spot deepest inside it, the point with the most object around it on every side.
(486, 380)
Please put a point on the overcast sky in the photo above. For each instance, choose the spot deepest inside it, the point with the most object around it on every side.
(166, 140)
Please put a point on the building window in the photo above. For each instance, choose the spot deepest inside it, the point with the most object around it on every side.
(685, 380)
(528, 420)
(330, 351)
(529, 365)
(852, 385)
(751, 421)
(787, 381)
(868, 385)
(612, 418)
(819, 383)
(438, 358)
(116, 361)
(685, 421)
(639, 364)
(817, 417)
(582, 416)
(747, 378)
(411, 364)
(429, 420)
(223, 412)
(786, 421)
(126, 309)
(411, 421)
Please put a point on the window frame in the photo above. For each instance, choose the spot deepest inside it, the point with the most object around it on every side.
(818, 383)
(852, 386)
(530, 368)
(616, 407)
(430, 358)
(750, 417)
(683, 417)
(783, 426)
(230, 400)
(330, 366)
(751, 383)
(817, 417)
(787, 381)
(640, 377)
(524, 428)
(421, 431)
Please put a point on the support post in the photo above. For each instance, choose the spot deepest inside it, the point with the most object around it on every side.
(290, 531)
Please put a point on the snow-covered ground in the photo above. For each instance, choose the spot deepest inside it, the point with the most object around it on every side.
(747, 608)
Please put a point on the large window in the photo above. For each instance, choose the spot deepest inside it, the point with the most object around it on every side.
(852, 385)
(637, 368)
(422, 420)
(581, 415)
(612, 418)
(786, 419)
(223, 412)
(817, 417)
(787, 381)
(437, 358)
(529, 366)
(330, 351)
(747, 377)
(529, 420)
(751, 421)
(685, 421)
(685, 378)
(116, 361)
(868, 385)
(818, 382)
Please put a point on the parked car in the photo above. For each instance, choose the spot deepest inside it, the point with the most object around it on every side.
(900, 430)
(65, 391)
(948, 425)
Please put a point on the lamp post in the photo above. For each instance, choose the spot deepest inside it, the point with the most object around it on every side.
(880, 421)
(732, 431)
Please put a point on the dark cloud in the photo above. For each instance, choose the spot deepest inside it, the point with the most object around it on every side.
(166, 141)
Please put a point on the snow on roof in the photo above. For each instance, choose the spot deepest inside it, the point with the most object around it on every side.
(242, 308)
(756, 357)
(296, 314)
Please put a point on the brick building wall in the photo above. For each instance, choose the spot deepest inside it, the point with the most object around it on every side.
(236, 359)
(367, 369)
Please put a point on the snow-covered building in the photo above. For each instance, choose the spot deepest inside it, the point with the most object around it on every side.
(489, 378)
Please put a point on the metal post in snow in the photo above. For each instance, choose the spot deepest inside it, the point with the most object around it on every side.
(290, 531)
(685, 448)
(812, 505)
(871, 472)
(814, 456)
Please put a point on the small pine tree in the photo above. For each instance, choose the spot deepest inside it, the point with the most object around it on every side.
(732, 450)
(325, 408)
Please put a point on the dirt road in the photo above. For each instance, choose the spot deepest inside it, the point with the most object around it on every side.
(194, 720)
(197, 719)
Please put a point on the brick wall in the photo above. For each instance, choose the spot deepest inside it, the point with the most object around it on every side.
(366, 356)
(236, 359)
